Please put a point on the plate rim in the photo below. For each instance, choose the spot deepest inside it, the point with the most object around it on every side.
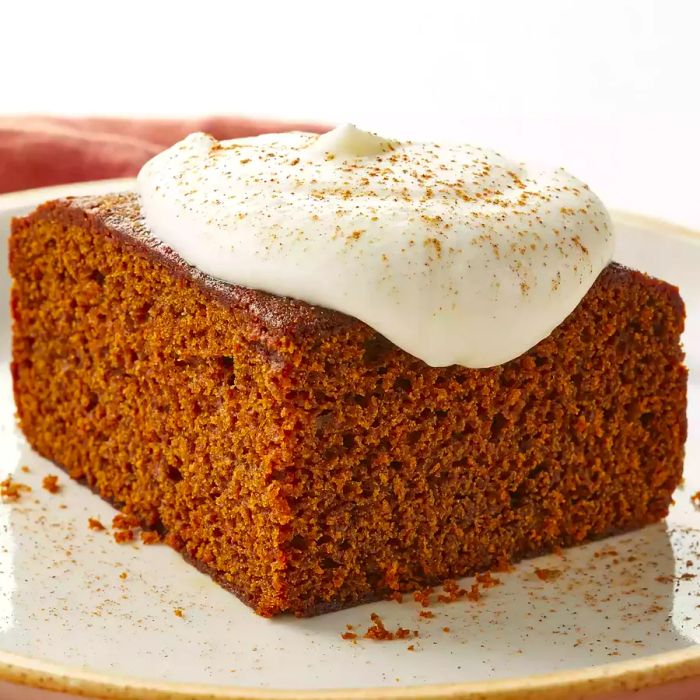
(36, 195)
(630, 675)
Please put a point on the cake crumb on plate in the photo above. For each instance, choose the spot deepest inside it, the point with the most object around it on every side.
(95, 524)
(50, 483)
(12, 490)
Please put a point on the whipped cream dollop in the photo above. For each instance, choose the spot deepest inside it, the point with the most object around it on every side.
(453, 252)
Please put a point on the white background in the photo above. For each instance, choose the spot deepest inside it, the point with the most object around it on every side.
(610, 89)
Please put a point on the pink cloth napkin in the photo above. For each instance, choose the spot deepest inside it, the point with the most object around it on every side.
(37, 151)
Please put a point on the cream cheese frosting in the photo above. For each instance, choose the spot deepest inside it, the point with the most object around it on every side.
(453, 252)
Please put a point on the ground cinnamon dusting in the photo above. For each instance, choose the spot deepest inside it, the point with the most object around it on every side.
(50, 483)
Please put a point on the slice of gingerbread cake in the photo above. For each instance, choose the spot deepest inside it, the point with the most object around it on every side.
(332, 368)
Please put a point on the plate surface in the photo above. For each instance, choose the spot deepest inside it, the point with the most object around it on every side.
(80, 612)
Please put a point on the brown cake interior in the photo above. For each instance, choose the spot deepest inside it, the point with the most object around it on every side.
(303, 460)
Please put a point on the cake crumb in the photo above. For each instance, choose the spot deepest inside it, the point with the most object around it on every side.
(124, 521)
(548, 574)
(423, 596)
(503, 566)
(123, 536)
(50, 483)
(150, 537)
(380, 633)
(12, 490)
(123, 575)
(95, 524)
(452, 592)
(427, 614)
(695, 499)
(411, 647)
(474, 593)
(179, 612)
(348, 635)
(487, 580)
(25, 469)
(445, 629)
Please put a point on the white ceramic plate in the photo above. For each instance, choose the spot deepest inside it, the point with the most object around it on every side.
(79, 612)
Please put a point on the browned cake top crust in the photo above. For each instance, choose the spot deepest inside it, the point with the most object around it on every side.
(120, 215)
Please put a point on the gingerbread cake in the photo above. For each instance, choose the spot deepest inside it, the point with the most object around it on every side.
(302, 459)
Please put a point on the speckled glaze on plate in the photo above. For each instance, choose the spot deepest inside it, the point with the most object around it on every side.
(82, 614)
